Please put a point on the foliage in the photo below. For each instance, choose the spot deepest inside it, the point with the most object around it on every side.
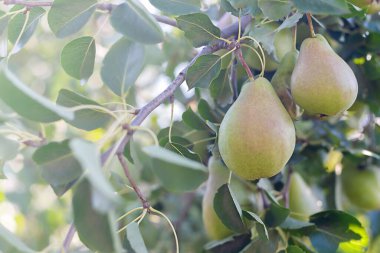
(89, 145)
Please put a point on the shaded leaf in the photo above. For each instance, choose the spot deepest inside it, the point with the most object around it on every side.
(220, 89)
(68, 17)
(122, 65)
(231, 244)
(204, 70)
(332, 7)
(193, 120)
(134, 241)
(177, 7)
(276, 213)
(275, 9)
(183, 151)
(177, 173)
(78, 57)
(254, 217)
(28, 103)
(228, 209)
(198, 28)
(206, 112)
(133, 21)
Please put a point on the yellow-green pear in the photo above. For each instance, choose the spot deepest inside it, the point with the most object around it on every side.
(362, 186)
(301, 198)
(257, 135)
(218, 175)
(322, 83)
(281, 83)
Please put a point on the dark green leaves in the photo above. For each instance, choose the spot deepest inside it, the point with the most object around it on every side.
(177, 7)
(28, 103)
(78, 57)
(87, 119)
(336, 228)
(275, 9)
(205, 69)
(193, 120)
(198, 28)
(333, 7)
(133, 21)
(276, 213)
(177, 173)
(68, 17)
(228, 209)
(122, 65)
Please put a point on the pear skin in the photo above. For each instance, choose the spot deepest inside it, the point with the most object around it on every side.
(301, 198)
(218, 175)
(362, 186)
(322, 83)
(257, 135)
(281, 83)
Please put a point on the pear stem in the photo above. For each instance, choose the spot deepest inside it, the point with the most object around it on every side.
(295, 36)
(239, 55)
(310, 22)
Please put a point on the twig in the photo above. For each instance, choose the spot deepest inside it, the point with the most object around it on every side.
(233, 78)
(165, 20)
(69, 237)
(310, 22)
(141, 196)
(239, 55)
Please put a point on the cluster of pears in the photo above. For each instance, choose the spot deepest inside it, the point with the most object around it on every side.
(257, 135)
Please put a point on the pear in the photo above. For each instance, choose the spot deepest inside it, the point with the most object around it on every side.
(322, 83)
(362, 186)
(281, 83)
(301, 198)
(254, 62)
(371, 6)
(257, 135)
(218, 175)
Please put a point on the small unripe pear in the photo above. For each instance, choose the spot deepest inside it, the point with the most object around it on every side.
(257, 135)
(362, 186)
(218, 175)
(322, 83)
(301, 198)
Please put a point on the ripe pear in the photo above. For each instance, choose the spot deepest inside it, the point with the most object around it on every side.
(218, 175)
(371, 6)
(322, 83)
(362, 186)
(257, 135)
(301, 198)
(281, 83)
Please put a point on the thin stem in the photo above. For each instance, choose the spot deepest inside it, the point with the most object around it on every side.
(141, 196)
(258, 55)
(243, 62)
(294, 36)
(171, 117)
(165, 20)
(129, 213)
(69, 237)
(285, 191)
(310, 22)
(233, 78)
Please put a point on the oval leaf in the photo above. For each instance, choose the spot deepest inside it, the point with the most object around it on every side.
(177, 7)
(68, 17)
(134, 242)
(122, 65)
(204, 70)
(333, 7)
(78, 57)
(135, 22)
(28, 103)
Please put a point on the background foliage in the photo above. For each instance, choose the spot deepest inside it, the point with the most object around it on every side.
(79, 77)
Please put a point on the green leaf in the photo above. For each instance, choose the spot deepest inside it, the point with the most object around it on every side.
(332, 7)
(198, 28)
(262, 229)
(78, 57)
(134, 241)
(68, 17)
(276, 213)
(11, 243)
(87, 119)
(177, 173)
(228, 209)
(16, 24)
(334, 228)
(206, 112)
(293, 224)
(122, 65)
(220, 89)
(231, 244)
(135, 22)
(61, 189)
(177, 7)
(193, 120)
(292, 249)
(275, 9)
(204, 70)
(89, 158)
(267, 246)
(8, 149)
(28, 103)
(183, 151)
(94, 228)
(57, 163)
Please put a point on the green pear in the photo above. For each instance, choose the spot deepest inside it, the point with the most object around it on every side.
(281, 83)
(283, 43)
(301, 198)
(257, 135)
(218, 175)
(254, 62)
(322, 83)
(362, 186)
(371, 6)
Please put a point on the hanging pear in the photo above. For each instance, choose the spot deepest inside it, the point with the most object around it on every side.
(322, 83)
(257, 135)
(218, 175)
(301, 198)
